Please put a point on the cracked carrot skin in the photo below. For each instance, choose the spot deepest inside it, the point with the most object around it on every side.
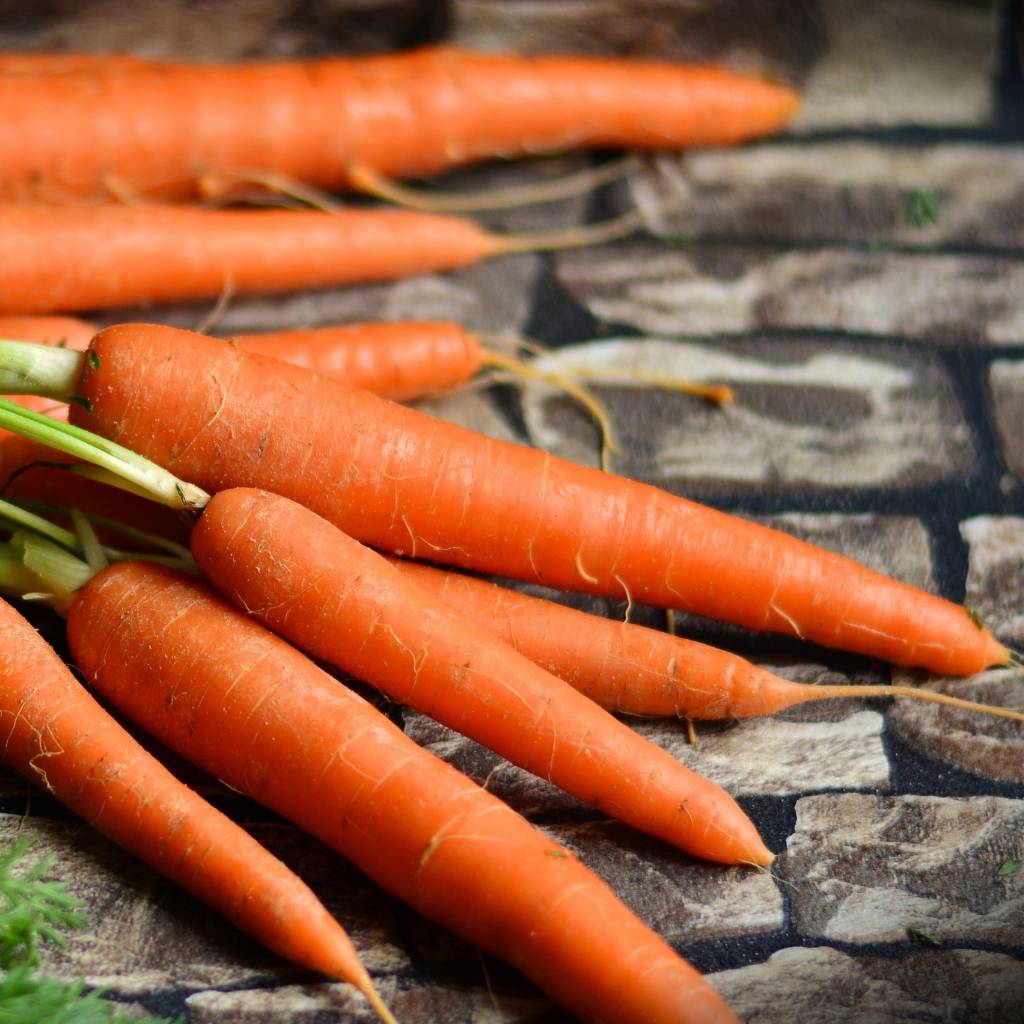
(407, 483)
(622, 666)
(250, 709)
(157, 127)
(88, 257)
(344, 604)
(56, 734)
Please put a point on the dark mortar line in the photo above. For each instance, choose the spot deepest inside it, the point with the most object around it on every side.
(900, 133)
(870, 246)
(915, 773)
(744, 951)
(1008, 86)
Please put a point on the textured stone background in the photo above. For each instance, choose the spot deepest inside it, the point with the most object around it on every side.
(878, 362)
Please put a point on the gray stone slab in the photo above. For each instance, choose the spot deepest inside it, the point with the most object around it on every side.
(682, 899)
(755, 36)
(177, 29)
(711, 290)
(995, 574)
(809, 415)
(992, 747)
(145, 934)
(914, 62)
(754, 757)
(820, 985)
(837, 191)
(863, 869)
(411, 1003)
(782, 756)
(1006, 382)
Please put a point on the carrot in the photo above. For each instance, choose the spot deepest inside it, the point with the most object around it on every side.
(59, 737)
(404, 482)
(157, 129)
(251, 710)
(341, 602)
(637, 670)
(61, 258)
(423, 653)
(49, 330)
(400, 360)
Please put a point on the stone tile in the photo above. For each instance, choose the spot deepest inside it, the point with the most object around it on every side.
(146, 934)
(781, 756)
(1006, 382)
(993, 747)
(995, 574)
(755, 36)
(915, 62)
(682, 899)
(808, 415)
(412, 1003)
(863, 869)
(819, 985)
(710, 290)
(771, 757)
(836, 191)
(177, 29)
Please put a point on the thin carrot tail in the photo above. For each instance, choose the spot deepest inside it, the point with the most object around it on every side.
(1015, 658)
(826, 692)
(524, 371)
(366, 986)
(262, 187)
(367, 180)
(577, 237)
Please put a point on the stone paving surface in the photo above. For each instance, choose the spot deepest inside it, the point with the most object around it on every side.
(858, 282)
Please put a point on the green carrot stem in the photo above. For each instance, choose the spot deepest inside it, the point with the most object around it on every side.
(15, 579)
(152, 480)
(44, 370)
(152, 540)
(84, 545)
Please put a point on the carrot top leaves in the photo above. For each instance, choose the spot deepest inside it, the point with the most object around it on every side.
(119, 465)
(34, 912)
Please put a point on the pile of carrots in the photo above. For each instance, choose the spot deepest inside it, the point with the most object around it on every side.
(305, 501)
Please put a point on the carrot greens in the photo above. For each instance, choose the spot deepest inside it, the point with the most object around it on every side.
(36, 912)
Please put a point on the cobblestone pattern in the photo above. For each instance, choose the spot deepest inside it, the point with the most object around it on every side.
(858, 283)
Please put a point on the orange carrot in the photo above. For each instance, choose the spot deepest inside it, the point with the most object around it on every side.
(91, 257)
(56, 734)
(157, 129)
(400, 361)
(404, 482)
(637, 670)
(251, 710)
(343, 603)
